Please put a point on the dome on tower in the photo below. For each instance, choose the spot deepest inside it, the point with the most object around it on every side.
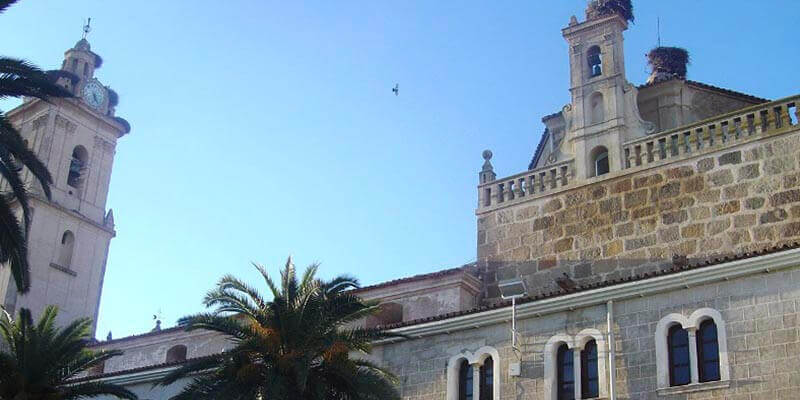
(83, 44)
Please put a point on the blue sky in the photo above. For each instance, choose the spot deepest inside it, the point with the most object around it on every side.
(265, 128)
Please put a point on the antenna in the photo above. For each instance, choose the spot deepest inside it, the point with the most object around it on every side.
(659, 31)
(87, 28)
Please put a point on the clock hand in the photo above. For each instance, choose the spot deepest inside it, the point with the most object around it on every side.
(94, 96)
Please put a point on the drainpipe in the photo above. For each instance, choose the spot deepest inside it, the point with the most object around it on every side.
(612, 352)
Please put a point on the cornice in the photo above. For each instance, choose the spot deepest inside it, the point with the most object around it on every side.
(722, 272)
(75, 103)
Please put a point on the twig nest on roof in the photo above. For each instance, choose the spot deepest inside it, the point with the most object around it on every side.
(667, 63)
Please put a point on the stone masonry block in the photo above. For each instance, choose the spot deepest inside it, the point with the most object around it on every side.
(635, 199)
(720, 178)
(749, 171)
(734, 157)
(789, 196)
(705, 164)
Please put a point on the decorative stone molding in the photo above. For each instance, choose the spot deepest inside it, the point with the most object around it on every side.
(105, 145)
(40, 122)
(66, 125)
(691, 324)
(64, 269)
(476, 360)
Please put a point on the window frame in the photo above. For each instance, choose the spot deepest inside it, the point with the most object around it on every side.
(674, 330)
(565, 357)
(589, 55)
(589, 349)
(577, 343)
(691, 324)
(701, 359)
(465, 381)
(486, 374)
(475, 360)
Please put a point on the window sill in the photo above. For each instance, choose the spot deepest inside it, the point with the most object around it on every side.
(64, 269)
(693, 387)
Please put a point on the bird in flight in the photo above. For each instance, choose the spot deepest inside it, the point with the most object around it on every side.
(396, 89)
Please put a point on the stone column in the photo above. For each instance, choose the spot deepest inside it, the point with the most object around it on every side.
(476, 381)
(576, 371)
(693, 367)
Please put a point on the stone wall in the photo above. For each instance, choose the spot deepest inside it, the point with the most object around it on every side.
(760, 314)
(739, 198)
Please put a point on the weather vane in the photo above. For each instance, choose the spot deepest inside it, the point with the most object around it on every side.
(87, 28)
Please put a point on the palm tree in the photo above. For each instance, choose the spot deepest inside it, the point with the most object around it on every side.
(19, 78)
(296, 346)
(39, 360)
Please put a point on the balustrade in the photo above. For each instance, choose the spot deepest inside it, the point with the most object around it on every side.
(727, 129)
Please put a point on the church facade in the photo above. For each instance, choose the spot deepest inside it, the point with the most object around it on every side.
(650, 250)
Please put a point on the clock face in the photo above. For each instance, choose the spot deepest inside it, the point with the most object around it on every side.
(94, 95)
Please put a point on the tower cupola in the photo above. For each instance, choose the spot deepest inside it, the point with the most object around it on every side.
(81, 61)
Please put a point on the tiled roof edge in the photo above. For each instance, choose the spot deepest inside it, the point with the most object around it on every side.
(415, 278)
(582, 288)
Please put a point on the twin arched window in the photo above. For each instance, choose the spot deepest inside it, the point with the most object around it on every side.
(708, 368)
(466, 381)
(589, 374)
(691, 350)
(575, 367)
(472, 376)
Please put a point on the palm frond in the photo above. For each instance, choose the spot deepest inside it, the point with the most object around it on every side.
(296, 345)
(96, 388)
(4, 4)
(39, 359)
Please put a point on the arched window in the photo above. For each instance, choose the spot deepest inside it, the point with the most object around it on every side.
(487, 379)
(75, 65)
(599, 161)
(595, 61)
(590, 382)
(708, 352)
(66, 249)
(176, 354)
(678, 345)
(77, 165)
(597, 108)
(565, 373)
(465, 376)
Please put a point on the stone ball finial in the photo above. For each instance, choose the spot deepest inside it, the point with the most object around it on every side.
(487, 155)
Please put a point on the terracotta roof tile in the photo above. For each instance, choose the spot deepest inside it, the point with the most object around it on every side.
(415, 278)
(581, 288)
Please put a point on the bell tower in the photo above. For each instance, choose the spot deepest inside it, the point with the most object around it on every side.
(70, 234)
(603, 112)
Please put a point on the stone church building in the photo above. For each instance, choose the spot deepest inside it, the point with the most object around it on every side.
(650, 250)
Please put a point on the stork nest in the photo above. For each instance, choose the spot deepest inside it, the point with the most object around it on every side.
(622, 7)
(671, 60)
